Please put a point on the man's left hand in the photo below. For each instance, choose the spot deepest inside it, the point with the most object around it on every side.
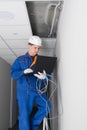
(41, 75)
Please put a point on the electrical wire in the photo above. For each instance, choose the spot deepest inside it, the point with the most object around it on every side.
(44, 90)
(39, 87)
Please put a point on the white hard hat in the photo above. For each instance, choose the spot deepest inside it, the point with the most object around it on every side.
(35, 40)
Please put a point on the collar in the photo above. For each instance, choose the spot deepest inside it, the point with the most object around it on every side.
(28, 55)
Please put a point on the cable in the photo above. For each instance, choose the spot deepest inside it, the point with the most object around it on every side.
(43, 90)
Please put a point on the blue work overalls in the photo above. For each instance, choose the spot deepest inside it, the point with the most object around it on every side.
(27, 95)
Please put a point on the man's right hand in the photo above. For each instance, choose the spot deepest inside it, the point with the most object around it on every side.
(27, 71)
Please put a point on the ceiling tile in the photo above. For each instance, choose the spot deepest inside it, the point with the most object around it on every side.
(2, 44)
(17, 43)
(9, 57)
(13, 13)
(9, 61)
(5, 51)
(20, 51)
(15, 32)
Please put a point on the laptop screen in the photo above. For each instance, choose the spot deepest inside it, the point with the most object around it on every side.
(45, 63)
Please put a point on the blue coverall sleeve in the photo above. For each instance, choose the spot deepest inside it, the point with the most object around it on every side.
(16, 71)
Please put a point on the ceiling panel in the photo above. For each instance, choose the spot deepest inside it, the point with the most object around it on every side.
(17, 43)
(9, 57)
(15, 29)
(11, 60)
(2, 44)
(13, 13)
(5, 51)
(15, 32)
(20, 51)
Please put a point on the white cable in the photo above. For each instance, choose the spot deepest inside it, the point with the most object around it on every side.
(38, 86)
(45, 124)
(41, 91)
(53, 90)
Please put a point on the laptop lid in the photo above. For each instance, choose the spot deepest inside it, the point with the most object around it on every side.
(45, 63)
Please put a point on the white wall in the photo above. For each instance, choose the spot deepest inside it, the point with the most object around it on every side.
(72, 67)
(5, 85)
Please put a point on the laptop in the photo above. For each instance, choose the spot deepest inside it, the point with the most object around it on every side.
(45, 63)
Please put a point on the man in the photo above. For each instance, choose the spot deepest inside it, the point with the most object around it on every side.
(27, 94)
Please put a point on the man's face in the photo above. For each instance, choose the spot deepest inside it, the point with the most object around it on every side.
(33, 49)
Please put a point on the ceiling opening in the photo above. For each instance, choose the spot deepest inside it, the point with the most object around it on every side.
(44, 17)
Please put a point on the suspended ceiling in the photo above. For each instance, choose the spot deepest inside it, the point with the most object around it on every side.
(19, 20)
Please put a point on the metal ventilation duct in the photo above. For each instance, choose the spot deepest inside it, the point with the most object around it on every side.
(44, 17)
